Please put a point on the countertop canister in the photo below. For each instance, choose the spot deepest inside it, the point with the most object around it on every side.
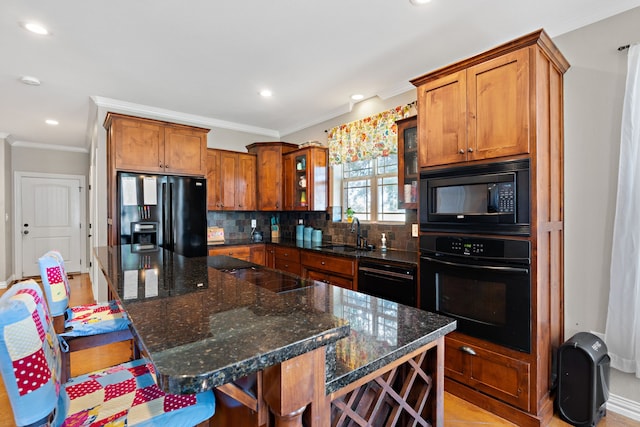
(316, 236)
(299, 232)
(307, 233)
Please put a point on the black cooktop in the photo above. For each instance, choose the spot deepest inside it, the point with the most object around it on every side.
(273, 280)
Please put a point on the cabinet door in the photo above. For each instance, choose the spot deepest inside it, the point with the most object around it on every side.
(442, 120)
(240, 252)
(289, 179)
(139, 145)
(496, 374)
(214, 197)
(258, 254)
(498, 103)
(228, 171)
(408, 163)
(246, 182)
(185, 151)
(270, 178)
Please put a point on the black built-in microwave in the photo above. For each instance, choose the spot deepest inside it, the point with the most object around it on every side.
(490, 198)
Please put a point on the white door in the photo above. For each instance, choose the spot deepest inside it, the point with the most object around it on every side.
(49, 217)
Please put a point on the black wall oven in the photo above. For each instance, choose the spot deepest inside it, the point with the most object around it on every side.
(483, 283)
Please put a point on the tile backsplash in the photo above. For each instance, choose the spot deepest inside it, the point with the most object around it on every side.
(237, 226)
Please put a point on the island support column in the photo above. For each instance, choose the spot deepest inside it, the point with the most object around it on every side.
(293, 385)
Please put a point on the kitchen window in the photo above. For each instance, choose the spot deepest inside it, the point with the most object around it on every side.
(364, 161)
(370, 188)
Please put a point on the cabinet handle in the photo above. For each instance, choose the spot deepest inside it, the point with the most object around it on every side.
(461, 151)
(160, 164)
(468, 350)
(470, 150)
(322, 262)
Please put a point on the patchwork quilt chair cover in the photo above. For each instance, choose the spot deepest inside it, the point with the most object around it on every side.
(123, 395)
(82, 320)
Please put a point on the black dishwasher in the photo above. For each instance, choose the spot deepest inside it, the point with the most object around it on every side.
(388, 280)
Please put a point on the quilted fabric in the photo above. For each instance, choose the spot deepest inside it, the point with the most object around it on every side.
(83, 320)
(124, 395)
(29, 353)
(127, 394)
(55, 282)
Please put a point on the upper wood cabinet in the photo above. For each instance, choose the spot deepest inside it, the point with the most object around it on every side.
(270, 196)
(306, 174)
(145, 145)
(408, 174)
(231, 180)
(477, 113)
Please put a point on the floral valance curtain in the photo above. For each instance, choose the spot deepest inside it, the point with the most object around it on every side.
(368, 138)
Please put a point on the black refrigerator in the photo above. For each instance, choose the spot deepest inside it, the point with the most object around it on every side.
(163, 211)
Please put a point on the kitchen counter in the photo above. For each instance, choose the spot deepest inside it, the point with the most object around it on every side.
(204, 328)
(392, 255)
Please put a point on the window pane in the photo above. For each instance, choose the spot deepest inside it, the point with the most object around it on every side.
(358, 197)
(388, 200)
(388, 164)
(358, 169)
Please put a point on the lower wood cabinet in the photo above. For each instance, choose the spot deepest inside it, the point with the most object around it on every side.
(338, 271)
(287, 259)
(251, 253)
(506, 378)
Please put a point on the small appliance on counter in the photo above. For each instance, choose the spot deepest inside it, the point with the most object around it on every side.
(256, 236)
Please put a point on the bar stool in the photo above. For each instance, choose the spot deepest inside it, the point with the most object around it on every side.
(125, 394)
(83, 326)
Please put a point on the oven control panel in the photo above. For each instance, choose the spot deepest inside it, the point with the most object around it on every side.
(476, 246)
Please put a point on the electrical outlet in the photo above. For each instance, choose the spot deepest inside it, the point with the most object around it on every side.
(414, 230)
(253, 223)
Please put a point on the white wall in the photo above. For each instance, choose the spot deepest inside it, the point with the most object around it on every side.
(594, 91)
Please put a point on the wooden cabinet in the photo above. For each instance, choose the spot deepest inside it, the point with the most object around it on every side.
(408, 174)
(270, 255)
(253, 253)
(231, 180)
(507, 103)
(144, 145)
(287, 259)
(306, 173)
(270, 173)
(242, 252)
(481, 112)
(339, 271)
(149, 146)
(492, 372)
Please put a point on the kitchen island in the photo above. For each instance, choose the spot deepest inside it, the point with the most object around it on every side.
(316, 351)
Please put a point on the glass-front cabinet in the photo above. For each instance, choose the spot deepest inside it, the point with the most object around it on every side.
(306, 179)
(408, 173)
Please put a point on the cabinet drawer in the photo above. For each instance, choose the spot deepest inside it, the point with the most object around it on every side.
(338, 265)
(498, 375)
(288, 266)
(240, 252)
(343, 282)
(289, 254)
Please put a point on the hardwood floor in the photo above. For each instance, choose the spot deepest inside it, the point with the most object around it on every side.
(457, 412)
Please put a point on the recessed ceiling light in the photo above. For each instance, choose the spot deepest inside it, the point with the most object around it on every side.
(30, 80)
(266, 93)
(357, 97)
(51, 122)
(36, 28)
(419, 2)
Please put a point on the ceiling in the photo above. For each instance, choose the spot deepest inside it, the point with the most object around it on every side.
(207, 60)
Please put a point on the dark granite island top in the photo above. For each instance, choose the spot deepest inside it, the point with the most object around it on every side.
(203, 327)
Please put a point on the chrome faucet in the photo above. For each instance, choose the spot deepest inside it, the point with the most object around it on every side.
(355, 226)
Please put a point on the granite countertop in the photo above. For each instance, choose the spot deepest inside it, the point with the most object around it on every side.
(392, 255)
(203, 327)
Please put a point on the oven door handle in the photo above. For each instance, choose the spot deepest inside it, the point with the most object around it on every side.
(478, 267)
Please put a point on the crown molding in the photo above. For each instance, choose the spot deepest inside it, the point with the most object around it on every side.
(4, 135)
(175, 116)
(52, 147)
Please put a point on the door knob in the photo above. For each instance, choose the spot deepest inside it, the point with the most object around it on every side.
(26, 231)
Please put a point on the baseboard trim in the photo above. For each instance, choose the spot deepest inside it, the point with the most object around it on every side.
(623, 406)
(3, 285)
